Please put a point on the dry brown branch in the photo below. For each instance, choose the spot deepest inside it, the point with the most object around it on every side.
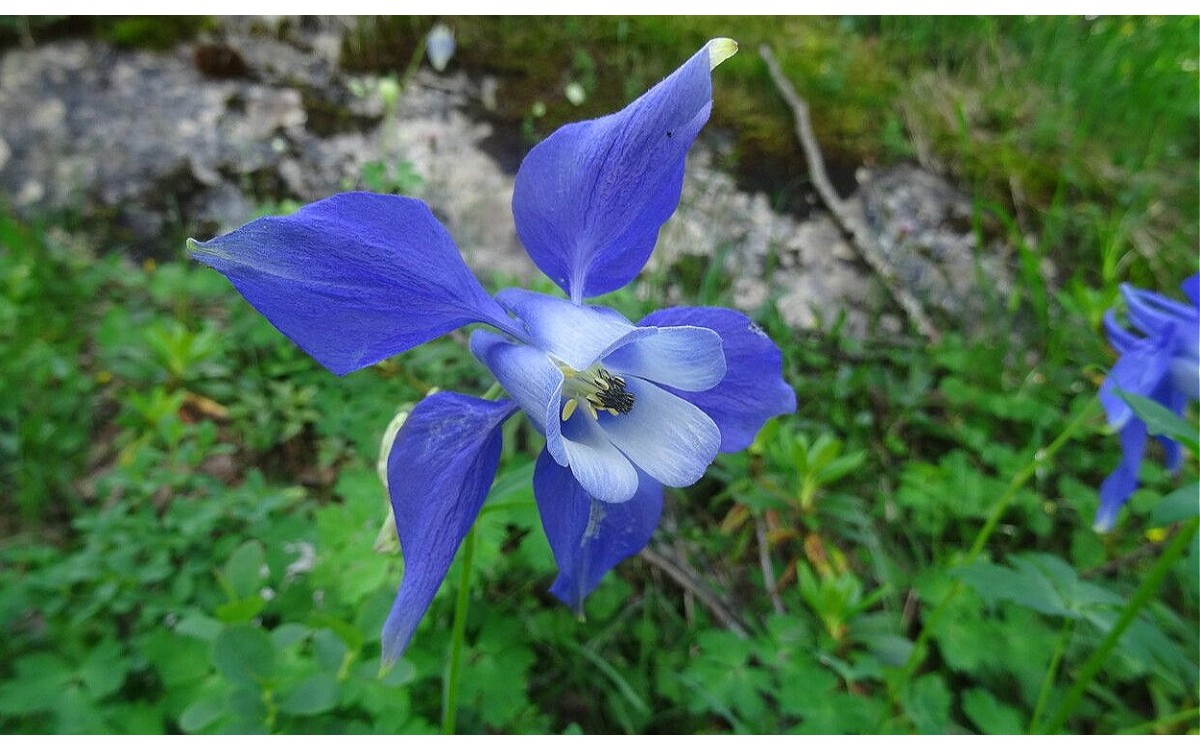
(764, 559)
(689, 580)
(860, 239)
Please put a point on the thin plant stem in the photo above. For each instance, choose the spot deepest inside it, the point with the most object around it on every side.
(1068, 627)
(1040, 458)
(458, 636)
(1141, 597)
(1192, 713)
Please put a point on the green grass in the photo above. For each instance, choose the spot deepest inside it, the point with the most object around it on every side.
(168, 460)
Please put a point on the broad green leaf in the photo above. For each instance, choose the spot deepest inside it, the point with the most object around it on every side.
(103, 669)
(312, 695)
(241, 610)
(991, 715)
(243, 654)
(1180, 505)
(202, 713)
(998, 583)
(927, 704)
(178, 659)
(243, 572)
(1162, 421)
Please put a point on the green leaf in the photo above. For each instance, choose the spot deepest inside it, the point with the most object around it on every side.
(998, 583)
(103, 669)
(288, 634)
(243, 654)
(991, 715)
(312, 695)
(202, 713)
(241, 610)
(38, 685)
(1180, 505)
(1161, 421)
(178, 659)
(927, 704)
(242, 574)
(199, 626)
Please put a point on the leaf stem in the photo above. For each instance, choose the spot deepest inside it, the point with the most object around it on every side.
(1141, 597)
(458, 636)
(1068, 627)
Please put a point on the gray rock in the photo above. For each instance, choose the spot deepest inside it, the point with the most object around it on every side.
(151, 141)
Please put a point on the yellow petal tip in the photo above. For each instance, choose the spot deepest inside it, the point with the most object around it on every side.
(720, 50)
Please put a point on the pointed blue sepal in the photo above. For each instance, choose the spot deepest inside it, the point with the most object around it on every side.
(589, 200)
(439, 472)
(354, 278)
(587, 536)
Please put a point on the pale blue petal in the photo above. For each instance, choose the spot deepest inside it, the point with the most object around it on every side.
(589, 200)
(753, 389)
(589, 537)
(527, 374)
(575, 334)
(666, 437)
(439, 472)
(353, 279)
(603, 471)
(683, 357)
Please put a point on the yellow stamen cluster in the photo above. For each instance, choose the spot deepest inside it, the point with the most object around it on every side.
(597, 390)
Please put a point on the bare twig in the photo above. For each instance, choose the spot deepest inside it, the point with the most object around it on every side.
(1112, 566)
(689, 580)
(860, 239)
(764, 559)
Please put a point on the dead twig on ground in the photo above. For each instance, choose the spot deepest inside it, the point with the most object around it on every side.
(860, 240)
(682, 574)
(768, 570)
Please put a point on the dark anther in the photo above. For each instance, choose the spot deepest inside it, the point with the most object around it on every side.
(611, 395)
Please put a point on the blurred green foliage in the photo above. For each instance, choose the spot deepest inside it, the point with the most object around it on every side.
(188, 503)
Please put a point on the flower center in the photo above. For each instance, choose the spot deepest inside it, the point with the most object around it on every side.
(596, 389)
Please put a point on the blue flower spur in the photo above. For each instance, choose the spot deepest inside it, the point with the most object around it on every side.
(1161, 364)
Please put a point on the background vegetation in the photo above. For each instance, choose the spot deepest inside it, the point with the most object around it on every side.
(189, 505)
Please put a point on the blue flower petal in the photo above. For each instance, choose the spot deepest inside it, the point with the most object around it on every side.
(589, 200)
(1121, 339)
(1119, 485)
(1141, 370)
(353, 279)
(684, 357)
(576, 334)
(1191, 288)
(439, 472)
(1154, 313)
(527, 374)
(663, 435)
(753, 389)
(589, 537)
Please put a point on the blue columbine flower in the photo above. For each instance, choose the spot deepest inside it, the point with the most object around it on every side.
(1162, 364)
(626, 408)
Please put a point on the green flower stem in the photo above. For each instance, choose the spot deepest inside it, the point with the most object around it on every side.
(458, 636)
(1068, 627)
(1141, 597)
(1040, 458)
(1164, 723)
(458, 633)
